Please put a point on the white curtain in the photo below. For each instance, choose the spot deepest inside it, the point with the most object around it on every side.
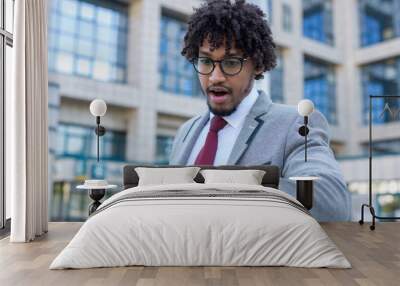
(26, 117)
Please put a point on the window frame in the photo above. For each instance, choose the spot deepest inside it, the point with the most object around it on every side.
(6, 39)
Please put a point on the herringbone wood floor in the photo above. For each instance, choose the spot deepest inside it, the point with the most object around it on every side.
(374, 255)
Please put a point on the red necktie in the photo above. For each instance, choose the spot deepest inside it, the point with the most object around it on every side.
(206, 155)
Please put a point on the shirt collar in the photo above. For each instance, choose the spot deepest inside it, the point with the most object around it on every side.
(238, 116)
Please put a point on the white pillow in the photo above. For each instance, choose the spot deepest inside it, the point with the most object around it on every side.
(163, 176)
(249, 177)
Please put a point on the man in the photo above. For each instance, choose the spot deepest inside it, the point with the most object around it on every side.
(230, 46)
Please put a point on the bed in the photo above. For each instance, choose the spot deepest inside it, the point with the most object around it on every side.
(201, 224)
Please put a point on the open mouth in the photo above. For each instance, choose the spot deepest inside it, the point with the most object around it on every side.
(218, 97)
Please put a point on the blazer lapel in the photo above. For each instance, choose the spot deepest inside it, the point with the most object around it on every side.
(190, 138)
(251, 126)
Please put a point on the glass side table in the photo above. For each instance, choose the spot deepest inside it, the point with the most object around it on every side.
(96, 193)
(304, 190)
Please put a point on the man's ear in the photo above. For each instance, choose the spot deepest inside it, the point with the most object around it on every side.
(258, 73)
(258, 76)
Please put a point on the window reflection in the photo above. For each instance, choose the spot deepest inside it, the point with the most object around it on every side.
(287, 18)
(317, 20)
(277, 79)
(176, 73)
(379, 20)
(80, 141)
(381, 78)
(319, 86)
(85, 36)
(164, 146)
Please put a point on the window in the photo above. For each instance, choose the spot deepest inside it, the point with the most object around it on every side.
(317, 20)
(76, 160)
(381, 78)
(81, 142)
(287, 18)
(88, 39)
(383, 147)
(164, 146)
(319, 86)
(68, 204)
(177, 75)
(379, 20)
(6, 44)
(277, 79)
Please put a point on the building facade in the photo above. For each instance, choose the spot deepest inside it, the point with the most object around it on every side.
(334, 52)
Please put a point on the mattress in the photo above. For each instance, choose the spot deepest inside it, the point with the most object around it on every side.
(201, 225)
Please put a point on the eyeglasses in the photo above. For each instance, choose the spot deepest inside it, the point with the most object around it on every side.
(229, 66)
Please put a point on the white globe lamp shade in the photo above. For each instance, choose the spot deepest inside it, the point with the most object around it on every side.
(305, 107)
(98, 107)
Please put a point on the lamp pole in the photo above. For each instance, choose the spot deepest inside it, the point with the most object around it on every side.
(98, 140)
(305, 137)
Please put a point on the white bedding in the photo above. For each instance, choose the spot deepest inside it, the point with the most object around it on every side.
(182, 231)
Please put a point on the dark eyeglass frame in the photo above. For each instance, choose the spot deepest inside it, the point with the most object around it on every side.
(242, 60)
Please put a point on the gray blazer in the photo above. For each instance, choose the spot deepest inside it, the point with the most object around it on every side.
(270, 136)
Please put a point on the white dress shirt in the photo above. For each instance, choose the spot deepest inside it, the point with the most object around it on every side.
(228, 135)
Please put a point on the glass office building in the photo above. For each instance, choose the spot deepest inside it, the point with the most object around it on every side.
(128, 53)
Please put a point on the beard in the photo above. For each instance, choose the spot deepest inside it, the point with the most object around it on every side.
(221, 112)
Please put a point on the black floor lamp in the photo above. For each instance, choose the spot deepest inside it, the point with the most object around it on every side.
(97, 188)
(98, 108)
(304, 184)
(369, 205)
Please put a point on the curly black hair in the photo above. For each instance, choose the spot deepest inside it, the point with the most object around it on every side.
(238, 22)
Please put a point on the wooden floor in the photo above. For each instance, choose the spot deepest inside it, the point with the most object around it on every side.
(374, 255)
